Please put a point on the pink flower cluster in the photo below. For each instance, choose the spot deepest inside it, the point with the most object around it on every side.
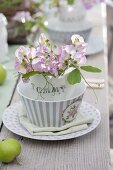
(47, 58)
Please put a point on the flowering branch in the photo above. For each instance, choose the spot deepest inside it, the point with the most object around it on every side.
(50, 60)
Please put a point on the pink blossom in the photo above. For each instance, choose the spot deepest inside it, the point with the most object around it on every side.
(31, 53)
(19, 67)
(46, 57)
(22, 16)
(77, 39)
(42, 39)
(70, 49)
(21, 52)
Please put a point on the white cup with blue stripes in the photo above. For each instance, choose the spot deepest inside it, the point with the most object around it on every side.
(48, 112)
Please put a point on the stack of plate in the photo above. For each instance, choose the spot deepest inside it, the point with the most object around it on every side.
(61, 32)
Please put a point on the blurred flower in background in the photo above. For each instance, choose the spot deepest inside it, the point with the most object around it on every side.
(90, 3)
(22, 16)
(26, 17)
(87, 3)
(27, 24)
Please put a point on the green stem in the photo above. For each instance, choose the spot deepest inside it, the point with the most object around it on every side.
(43, 89)
(86, 82)
(89, 86)
(49, 83)
(63, 71)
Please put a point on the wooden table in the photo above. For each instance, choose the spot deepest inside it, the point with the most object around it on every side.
(89, 152)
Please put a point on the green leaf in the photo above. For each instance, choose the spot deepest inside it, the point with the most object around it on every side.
(42, 26)
(90, 69)
(32, 73)
(70, 2)
(74, 77)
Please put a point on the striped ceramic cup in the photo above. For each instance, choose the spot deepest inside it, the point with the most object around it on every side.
(49, 113)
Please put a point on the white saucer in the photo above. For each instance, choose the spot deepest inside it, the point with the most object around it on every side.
(95, 45)
(61, 26)
(11, 121)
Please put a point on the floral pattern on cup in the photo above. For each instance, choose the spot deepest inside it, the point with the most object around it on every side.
(70, 113)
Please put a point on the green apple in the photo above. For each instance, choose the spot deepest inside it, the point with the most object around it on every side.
(3, 74)
(9, 149)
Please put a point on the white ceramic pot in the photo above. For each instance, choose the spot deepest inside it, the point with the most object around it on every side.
(70, 20)
(50, 113)
(50, 88)
(72, 13)
(3, 38)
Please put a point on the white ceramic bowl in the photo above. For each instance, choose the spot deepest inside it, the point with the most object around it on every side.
(45, 113)
(61, 32)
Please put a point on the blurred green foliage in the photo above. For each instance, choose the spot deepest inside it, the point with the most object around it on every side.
(38, 22)
(5, 4)
(70, 2)
(56, 3)
(37, 4)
